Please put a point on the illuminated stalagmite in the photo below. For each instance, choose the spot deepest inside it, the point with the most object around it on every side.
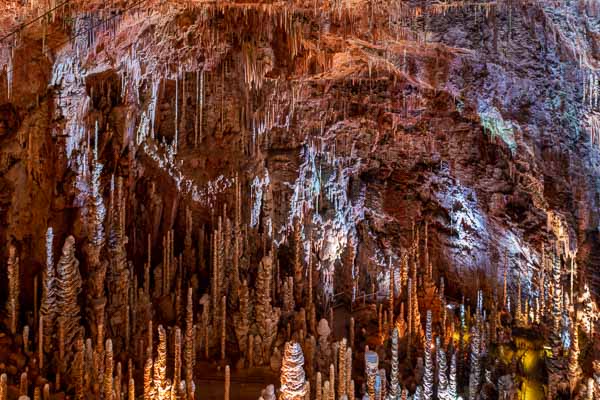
(68, 287)
(293, 382)
(48, 306)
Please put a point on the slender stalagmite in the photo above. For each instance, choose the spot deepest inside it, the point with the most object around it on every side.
(177, 361)
(342, 368)
(108, 371)
(79, 369)
(23, 385)
(3, 387)
(189, 345)
(41, 343)
(223, 325)
(118, 382)
(318, 387)
(131, 389)
(331, 382)
(13, 287)
(26, 339)
(227, 382)
(148, 389)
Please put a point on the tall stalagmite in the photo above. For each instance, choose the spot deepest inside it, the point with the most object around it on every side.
(68, 287)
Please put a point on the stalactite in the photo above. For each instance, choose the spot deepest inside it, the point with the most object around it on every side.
(189, 253)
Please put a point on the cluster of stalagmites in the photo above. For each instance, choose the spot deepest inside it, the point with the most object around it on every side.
(452, 351)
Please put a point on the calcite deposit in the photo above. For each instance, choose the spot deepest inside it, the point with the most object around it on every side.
(320, 199)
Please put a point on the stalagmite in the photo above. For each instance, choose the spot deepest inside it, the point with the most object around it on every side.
(574, 370)
(223, 325)
(318, 387)
(3, 387)
(14, 284)
(177, 362)
(326, 391)
(371, 371)
(67, 289)
(26, 339)
(23, 384)
(298, 282)
(242, 318)
(452, 379)
(41, 343)
(131, 389)
(394, 384)
(331, 382)
(342, 368)
(348, 369)
(148, 383)
(161, 386)
(49, 299)
(189, 345)
(227, 382)
(428, 377)
(442, 368)
(108, 371)
(293, 382)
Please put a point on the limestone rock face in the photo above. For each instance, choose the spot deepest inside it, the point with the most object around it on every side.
(479, 146)
(314, 140)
